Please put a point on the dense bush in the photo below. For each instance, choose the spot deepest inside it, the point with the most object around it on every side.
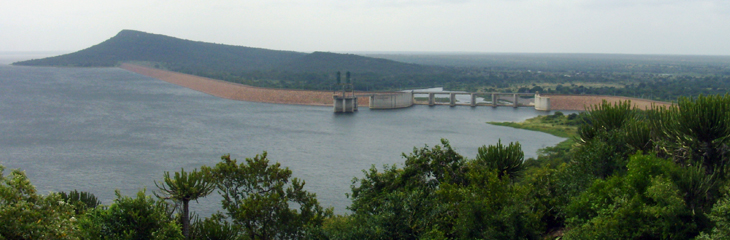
(130, 218)
(24, 214)
(257, 197)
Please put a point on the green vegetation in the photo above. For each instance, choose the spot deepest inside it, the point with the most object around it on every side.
(24, 214)
(129, 218)
(630, 174)
(258, 196)
(558, 124)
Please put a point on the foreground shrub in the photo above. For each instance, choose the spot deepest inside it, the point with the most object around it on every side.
(130, 218)
(24, 214)
(644, 203)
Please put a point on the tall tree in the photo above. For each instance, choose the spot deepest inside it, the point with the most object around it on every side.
(184, 187)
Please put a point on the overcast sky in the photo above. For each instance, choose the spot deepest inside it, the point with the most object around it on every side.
(524, 26)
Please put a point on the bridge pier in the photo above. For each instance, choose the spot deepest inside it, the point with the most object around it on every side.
(473, 100)
(431, 100)
(452, 99)
(516, 98)
(495, 99)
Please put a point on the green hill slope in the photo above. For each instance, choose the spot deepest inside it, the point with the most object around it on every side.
(174, 53)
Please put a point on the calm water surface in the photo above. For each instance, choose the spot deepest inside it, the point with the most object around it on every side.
(101, 129)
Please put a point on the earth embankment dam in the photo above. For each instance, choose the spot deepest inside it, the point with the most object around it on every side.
(241, 92)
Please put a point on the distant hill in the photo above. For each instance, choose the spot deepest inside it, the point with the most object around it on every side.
(255, 66)
(130, 45)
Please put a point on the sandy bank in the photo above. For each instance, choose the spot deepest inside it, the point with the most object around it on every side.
(235, 91)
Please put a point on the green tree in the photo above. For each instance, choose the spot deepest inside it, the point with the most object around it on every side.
(490, 207)
(130, 219)
(610, 133)
(402, 203)
(183, 188)
(507, 160)
(258, 195)
(697, 131)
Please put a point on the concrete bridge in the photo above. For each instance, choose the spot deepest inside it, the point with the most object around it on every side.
(395, 100)
(508, 99)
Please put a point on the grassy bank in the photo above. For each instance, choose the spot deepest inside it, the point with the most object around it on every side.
(558, 124)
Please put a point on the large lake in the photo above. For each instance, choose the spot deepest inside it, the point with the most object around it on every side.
(101, 129)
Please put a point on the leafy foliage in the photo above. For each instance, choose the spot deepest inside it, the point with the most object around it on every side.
(82, 201)
(697, 131)
(506, 160)
(439, 194)
(643, 203)
(214, 228)
(720, 215)
(130, 218)
(26, 215)
(257, 196)
(402, 203)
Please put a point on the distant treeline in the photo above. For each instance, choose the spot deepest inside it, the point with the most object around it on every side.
(623, 63)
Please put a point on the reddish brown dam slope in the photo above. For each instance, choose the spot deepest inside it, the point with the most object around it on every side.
(581, 102)
(240, 92)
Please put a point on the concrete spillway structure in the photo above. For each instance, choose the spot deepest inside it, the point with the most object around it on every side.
(542, 103)
(344, 104)
(391, 100)
(347, 102)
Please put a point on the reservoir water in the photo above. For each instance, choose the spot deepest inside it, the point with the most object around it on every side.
(101, 129)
